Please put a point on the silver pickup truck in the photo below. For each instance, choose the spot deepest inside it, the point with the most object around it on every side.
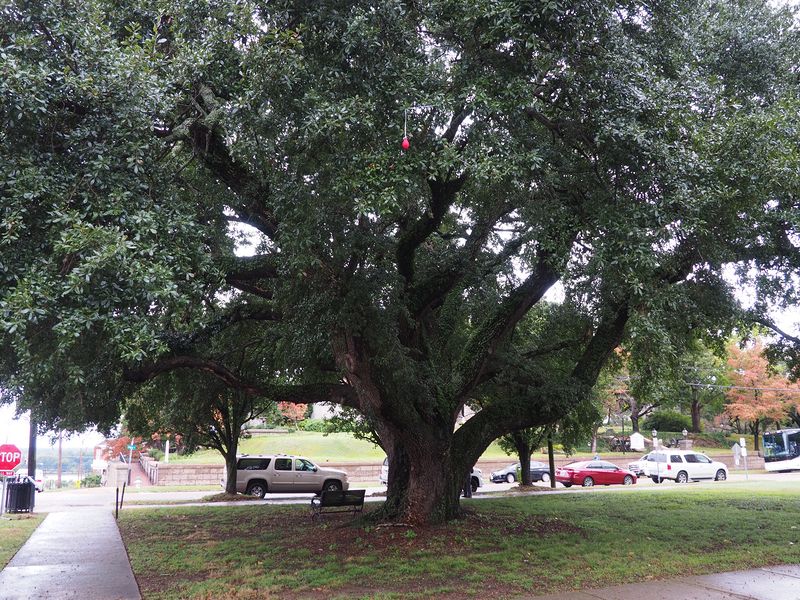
(259, 474)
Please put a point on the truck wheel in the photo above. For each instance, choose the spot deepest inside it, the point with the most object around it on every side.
(332, 486)
(257, 488)
(682, 477)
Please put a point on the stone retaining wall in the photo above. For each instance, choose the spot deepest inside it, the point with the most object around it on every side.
(160, 473)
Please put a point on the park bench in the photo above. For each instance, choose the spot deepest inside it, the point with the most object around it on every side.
(338, 501)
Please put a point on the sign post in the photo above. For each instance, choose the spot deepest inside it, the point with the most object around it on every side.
(744, 456)
(131, 448)
(10, 457)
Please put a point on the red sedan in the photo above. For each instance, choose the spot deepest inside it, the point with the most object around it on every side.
(593, 472)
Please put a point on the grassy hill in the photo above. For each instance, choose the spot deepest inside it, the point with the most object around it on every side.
(334, 447)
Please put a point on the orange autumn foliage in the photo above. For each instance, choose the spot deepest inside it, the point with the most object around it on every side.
(292, 411)
(774, 395)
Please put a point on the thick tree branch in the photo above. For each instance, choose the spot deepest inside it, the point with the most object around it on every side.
(770, 324)
(243, 273)
(203, 136)
(495, 330)
(255, 290)
(455, 123)
(410, 238)
(248, 268)
(430, 293)
(336, 393)
(500, 418)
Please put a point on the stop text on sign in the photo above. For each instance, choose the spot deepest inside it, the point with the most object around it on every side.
(10, 456)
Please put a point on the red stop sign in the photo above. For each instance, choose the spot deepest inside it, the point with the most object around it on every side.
(10, 457)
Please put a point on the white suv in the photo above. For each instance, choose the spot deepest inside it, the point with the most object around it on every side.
(683, 465)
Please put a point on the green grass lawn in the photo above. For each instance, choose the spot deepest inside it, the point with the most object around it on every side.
(568, 541)
(14, 532)
(334, 447)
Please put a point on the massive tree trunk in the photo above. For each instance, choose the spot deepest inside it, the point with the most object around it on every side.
(424, 482)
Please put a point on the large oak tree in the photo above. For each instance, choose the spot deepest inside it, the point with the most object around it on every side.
(626, 150)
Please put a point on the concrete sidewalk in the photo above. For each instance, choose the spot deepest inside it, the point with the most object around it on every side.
(767, 583)
(75, 555)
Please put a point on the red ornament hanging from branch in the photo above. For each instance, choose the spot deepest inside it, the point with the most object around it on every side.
(405, 144)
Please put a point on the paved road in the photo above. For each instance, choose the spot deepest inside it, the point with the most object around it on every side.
(65, 500)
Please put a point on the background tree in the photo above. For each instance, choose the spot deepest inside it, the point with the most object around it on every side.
(759, 394)
(292, 412)
(705, 373)
(523, 443)
(202, 410)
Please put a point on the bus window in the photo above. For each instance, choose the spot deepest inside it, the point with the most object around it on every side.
(774, 447)
(782, 450)
(793, 445)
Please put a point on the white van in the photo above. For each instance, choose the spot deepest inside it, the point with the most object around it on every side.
(682, 466)
(384, 476)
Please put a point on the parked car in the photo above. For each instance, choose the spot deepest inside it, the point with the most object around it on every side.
(510, 474)
(682, 466)
(507, 474)
(637, 466)
(594, 472)
(540, 472)
(259, 474)
(476, 477)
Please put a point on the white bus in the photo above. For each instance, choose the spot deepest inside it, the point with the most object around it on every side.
(782, 450)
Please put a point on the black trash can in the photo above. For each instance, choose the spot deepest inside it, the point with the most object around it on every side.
(20, 496)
